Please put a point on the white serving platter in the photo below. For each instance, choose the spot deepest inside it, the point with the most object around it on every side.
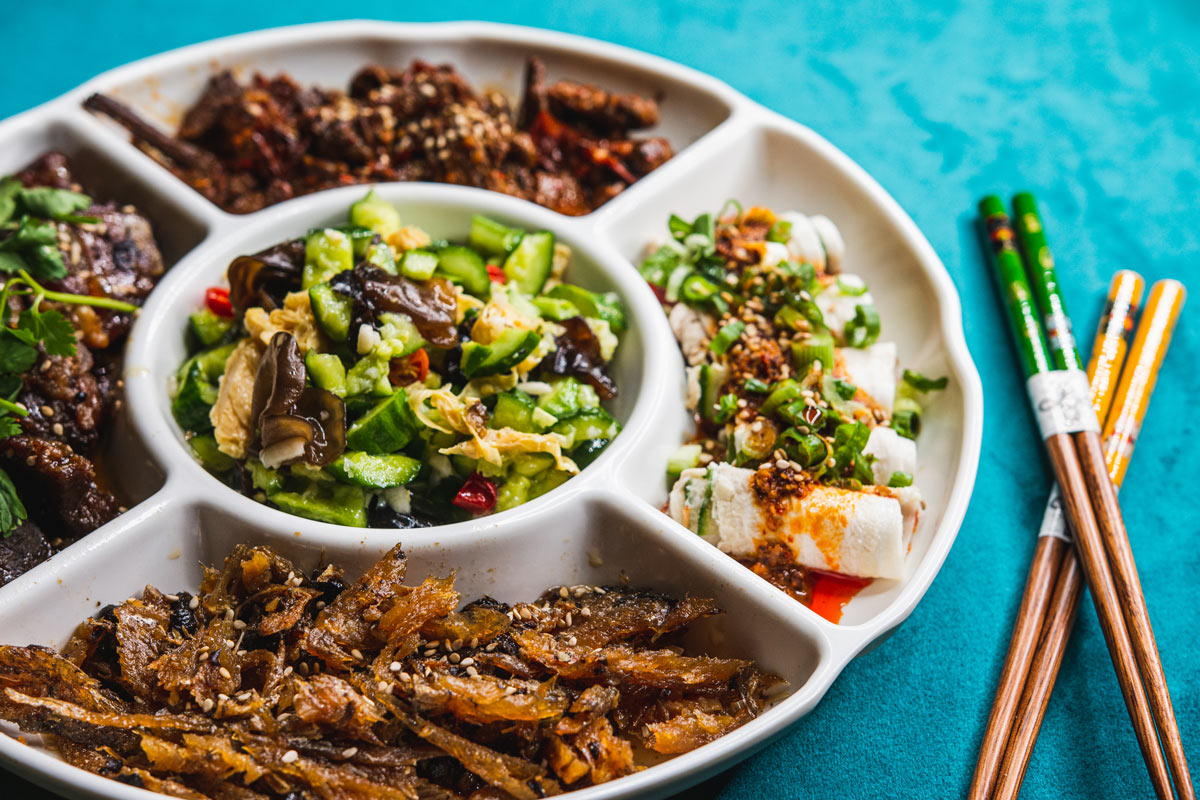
(603, 525)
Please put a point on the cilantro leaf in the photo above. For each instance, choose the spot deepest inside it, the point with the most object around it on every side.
(11, 262)
(10, 385)
(52, 328)
(30, 233)
(15, 355)
(35, 243)
(48, 202)
(9, 426)
(9, 187)
(45, 261)
(12, 510)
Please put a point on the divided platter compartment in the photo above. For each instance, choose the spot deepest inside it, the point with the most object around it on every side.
(604, 525)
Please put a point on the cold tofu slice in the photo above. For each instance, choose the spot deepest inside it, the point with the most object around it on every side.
(853, 533)
(872, 369)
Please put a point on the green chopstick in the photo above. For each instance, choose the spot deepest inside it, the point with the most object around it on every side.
(1032, 236)
(999, 241)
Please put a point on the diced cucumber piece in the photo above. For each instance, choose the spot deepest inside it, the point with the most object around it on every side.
(592, 304)
(419, 264)
(555, 308)
(193, 400)
(489, 470)
(492, 237)
(374, 471)
(326, 253)
(326, 371)
(587, 451)
(385, 428)
(528, 266)
(502, 355)
(464, 266)
(588, 423)
(513, 492)
(568, 398)
(332, 311)
(550, 479)
(513, 410)
(380, 255)
(685, 457)
(712, 379)
(377, 214)
(211, 457)
(337, 503)
(208, 328)
(530, 464)
(399, 336)
(263, 478)
(369, 375)
(211, 363)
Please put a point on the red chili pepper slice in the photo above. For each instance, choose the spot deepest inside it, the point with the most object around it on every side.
(496, 274)
(659, 292)
(410, 369)
(477, 495)
(217, 300)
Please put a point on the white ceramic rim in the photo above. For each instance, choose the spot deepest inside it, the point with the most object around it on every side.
(836, 644)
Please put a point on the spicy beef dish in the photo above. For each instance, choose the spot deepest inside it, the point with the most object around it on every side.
(274, 682)
(567, 146)
(75, 271)
(368, 375)
(804, 462)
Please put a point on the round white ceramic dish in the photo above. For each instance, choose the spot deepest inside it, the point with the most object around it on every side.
(602, 526)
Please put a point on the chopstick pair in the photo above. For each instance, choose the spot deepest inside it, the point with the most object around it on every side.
(1059, 392)
(1123, 416)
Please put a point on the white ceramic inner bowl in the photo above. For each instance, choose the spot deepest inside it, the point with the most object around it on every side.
(602, 526)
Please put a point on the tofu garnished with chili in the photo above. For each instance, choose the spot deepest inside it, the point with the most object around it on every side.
(804, 459)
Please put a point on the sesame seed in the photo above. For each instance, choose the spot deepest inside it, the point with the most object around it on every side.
(207, 704)
(781, 464)
(569, 619)
(350, 752)
(474, 673)
(194, 603)
(239, 625)
(287, 671)
(468, 661)
(356, 654)
(384, 686)
(243, 697)
(394, 666)
(561, 655)
(57, 428)
(225, 673)
(563, 592)
(490, 647)
(430, 652)
(47, 411)
(290, 756)
(454, 658)
(585, 611)
(509, 690)
(474, 642)
(572, 641)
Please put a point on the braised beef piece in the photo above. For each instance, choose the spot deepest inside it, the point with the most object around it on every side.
(57, 485)
(247, 146)
(70, 398)
(22, 550)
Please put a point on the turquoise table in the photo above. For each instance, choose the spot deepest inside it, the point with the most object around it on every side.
(1095, 107)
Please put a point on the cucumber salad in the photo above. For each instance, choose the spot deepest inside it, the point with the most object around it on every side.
(368, 375)
(804, 462)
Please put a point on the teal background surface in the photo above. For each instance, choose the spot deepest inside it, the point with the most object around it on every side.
(1094, 107)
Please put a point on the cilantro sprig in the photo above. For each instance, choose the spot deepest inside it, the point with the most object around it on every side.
(29, 254)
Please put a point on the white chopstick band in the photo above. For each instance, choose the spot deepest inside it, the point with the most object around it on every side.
(1062, 401)
(1054, 522)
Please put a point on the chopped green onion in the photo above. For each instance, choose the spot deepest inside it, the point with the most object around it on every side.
(731, 202)
(793, 412)
(784, 392)
(660, 264)
(780, 232)
(703, 225)
(756, 386)
(816, 348)
(899, 480)
(678, 226)
(788, 317)
(806, 449)
(729, 333)
(696, 289)
(726, 407)
(906, 417)
(851, 289)
(844, 389)
(848, 441)
(685, 457)
(863, 330)
(810, 312)
(924, 384)
(675, 281)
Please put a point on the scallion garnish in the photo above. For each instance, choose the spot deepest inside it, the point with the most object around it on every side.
(863, 330)
(729, 333)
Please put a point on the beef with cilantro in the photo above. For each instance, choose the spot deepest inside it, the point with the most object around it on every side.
(75, 270)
